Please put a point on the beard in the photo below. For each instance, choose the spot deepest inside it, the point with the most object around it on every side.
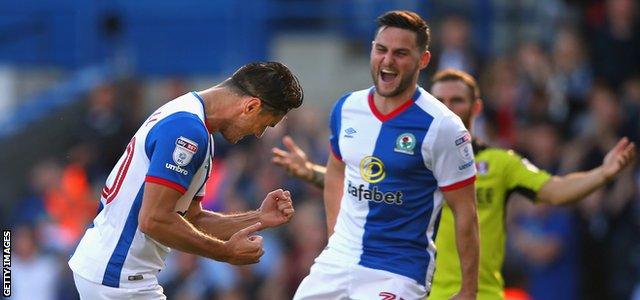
(406, 82)
(466, 120)
(231, 134)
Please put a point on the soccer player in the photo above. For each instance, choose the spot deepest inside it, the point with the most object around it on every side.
(151, 199)
(397, 154)
(500, 172)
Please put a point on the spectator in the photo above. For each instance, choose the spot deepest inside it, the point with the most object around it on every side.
(616, 43)
(543, 234)
(35, 274)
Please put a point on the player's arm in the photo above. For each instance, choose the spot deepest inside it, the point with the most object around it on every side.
(181, 142)
(158, 220)
(334, 184)
(296, 163)
(317, 177)
(276, 209)
(334, 176)
(575, 186)
(452, 160)
(462, 202)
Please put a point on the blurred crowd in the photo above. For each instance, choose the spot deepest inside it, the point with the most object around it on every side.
(560, 95)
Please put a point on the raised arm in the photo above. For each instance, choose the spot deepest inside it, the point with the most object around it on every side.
(296, 163)
(575, 186)
(334, 184)
(159, 220)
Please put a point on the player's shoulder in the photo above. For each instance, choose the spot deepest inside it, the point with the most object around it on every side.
(351, 101)
(359, 94)
(181, 128)
(354, 96)
(497, 152)
(183, 116)
(506, 158)
(432, 106)
(183, 119)
(189, 102)
(186, 111)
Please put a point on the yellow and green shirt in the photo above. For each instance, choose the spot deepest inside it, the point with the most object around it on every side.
(499, 173)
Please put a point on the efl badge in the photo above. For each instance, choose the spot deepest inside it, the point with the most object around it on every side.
(464, 147)
(184, 151)
(463, 139)
(405, 143)
(466, 152)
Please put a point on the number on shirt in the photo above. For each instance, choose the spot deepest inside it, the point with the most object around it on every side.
(109, 193)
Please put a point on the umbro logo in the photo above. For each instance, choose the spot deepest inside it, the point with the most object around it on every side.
(349, 132)
(176, 168)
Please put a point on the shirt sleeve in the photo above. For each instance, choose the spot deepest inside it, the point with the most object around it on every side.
(176, 147)
(335, 121)
(523, 177)
(200, 194)
(452, 155)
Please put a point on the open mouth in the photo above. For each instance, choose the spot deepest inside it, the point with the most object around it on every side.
(387, 75)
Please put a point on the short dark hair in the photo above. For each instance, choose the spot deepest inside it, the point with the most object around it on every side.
(407, 20)
(455, 75)
(271, 82)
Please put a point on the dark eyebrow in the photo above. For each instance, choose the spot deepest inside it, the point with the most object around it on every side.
(406, 50)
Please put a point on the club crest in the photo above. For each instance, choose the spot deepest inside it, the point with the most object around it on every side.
(405, 143)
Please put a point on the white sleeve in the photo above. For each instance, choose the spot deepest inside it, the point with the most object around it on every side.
(449, 154)
(201, 191)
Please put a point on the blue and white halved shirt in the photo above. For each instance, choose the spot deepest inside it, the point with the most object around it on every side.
(397, 166)
(173, 148)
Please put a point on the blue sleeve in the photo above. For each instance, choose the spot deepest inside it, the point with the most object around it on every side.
(335, 121)
(176, 147)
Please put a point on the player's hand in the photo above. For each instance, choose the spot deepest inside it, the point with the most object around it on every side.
(276, 208)
(623, 154)
(243, 248)
(294, 161)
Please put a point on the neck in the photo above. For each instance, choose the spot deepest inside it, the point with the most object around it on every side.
(217, 109)
(388, 104)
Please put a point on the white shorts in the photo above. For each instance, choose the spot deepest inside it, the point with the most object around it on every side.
(90, 290)
(328, 280)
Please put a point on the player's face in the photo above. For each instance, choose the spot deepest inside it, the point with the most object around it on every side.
(250, 124)
(264, 120)
(395, 61)
(457, 97)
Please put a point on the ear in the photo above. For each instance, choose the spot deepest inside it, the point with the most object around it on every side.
(251, 105)
(424, 59)
(477, 107)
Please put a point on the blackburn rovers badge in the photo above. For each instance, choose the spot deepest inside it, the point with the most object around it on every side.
(405, 143)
